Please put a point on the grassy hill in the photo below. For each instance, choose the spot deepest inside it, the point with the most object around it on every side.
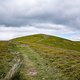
(50, 41)
(45, 57)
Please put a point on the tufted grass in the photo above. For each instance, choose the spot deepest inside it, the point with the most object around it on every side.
(52, 57)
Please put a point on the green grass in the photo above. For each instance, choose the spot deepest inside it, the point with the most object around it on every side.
(67, 61)
(42, 67)
(50, 41)
(45, 57)
(6, 58)
(53, 58)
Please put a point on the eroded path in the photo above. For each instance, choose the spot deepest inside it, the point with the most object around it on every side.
(35, 67)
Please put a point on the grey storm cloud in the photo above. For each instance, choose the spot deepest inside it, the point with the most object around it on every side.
(34, 12)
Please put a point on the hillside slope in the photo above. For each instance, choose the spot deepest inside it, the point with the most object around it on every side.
(48, 58)
(50, 41)
(44, 57)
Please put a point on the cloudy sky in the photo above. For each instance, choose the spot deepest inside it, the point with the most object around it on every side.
(26, 17)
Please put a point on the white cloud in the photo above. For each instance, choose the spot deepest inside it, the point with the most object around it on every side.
(23, 17)
(23, 12)
(6, 35)
(13, 32)
(75, 37)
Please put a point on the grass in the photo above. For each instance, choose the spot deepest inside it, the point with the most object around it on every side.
(50, 63)
(52, 57)
(50, 41)
(36, 67)
(67, 61)
(6, 58)
(44, 57)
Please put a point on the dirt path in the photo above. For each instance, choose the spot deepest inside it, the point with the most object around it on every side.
(35, 67)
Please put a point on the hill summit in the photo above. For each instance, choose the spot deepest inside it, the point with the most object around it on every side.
(50, 41)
